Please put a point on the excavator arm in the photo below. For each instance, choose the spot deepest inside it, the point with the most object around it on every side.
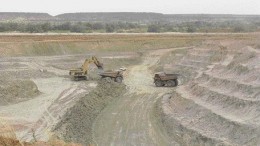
(97, 63)
(93, 59)
(82, 72)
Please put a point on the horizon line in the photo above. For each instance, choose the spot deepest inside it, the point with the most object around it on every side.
(133, 12)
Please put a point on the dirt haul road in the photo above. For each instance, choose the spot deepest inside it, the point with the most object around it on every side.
(131, 120)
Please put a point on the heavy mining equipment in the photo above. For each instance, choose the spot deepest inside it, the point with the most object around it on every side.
(82, 72)
(164, 79)
(115, 75)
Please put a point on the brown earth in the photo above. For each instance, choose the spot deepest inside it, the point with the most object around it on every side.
(216, 103)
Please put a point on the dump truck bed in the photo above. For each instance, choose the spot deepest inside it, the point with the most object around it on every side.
(112, 74)
(165, 76)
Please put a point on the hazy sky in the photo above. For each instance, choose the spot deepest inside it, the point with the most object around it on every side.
(55, 7)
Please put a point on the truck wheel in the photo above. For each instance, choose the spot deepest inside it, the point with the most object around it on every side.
(171, 83)
(176, 82)
(119, 79)
(86, 78)
(158, 83)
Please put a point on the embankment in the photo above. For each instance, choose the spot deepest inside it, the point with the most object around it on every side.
(76, 124)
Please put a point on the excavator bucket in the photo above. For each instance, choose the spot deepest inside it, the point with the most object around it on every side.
(97, 63)
(100, 66)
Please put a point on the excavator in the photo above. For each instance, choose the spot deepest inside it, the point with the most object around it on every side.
(82, 72)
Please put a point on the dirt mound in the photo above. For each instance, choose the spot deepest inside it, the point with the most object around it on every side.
(14, 91)
(76, 124)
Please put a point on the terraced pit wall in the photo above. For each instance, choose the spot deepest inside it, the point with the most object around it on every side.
(76, 124)
(219, 104)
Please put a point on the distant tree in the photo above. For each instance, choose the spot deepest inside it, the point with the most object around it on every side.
(21, 27)
(122, 25)
(34, 28)
(191, 29)
(153, 28)
(13, 26)
(88, 27)
(131, 25)
(79, 27)
(110, 27)
(46, 27)
(168, 28)
(3, 27)
(239, 28)
(98, 26)
(63, 26)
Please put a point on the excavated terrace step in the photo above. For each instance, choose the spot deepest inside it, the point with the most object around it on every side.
(229, 87)
(244, 112)
(237, 80)
(192, 117)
